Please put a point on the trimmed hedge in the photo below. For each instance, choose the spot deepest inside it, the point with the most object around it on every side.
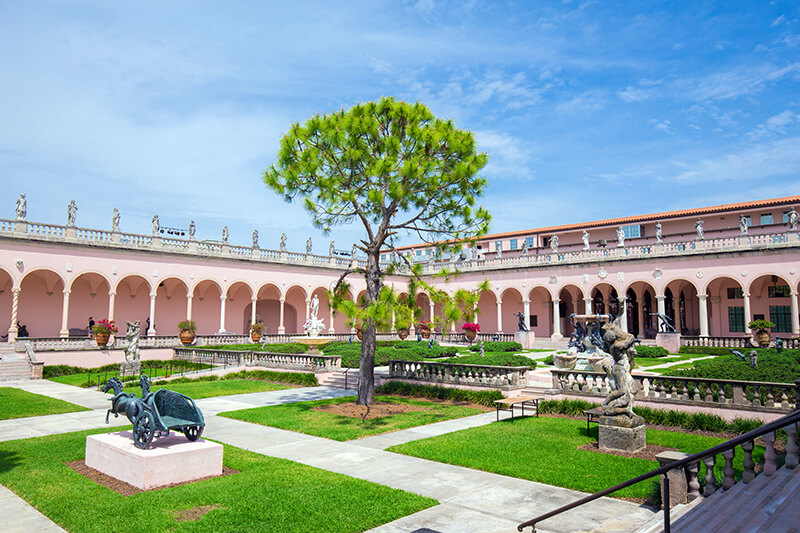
(399, 388)
(660, 417)
(709, 350)
(776, 367)
(409, 351)
(548, 360)
(290, 378)
(282, 347)
(493, 359)
(54, 371)
(651, 351)
(497, 347)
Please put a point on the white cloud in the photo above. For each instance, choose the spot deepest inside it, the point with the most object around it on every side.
(510, 159)
(663, 126)
(632, 94)
(588, 101)
(775, 124)
(778, 21)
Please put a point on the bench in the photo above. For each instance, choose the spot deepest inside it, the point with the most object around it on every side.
(508, 404)
(593, 415)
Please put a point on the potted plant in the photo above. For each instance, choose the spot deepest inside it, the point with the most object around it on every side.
(471, 330)
(255, 331)
(761, 328)
(425, 328)
(102, 331)
(187, 329)
(359, 332)
(402, 328)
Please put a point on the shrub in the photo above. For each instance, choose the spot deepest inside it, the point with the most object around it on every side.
(188, 325)
(776, 367)
(293, 378)
(548, 360)
(436, 392)
(406, 350)
(706, 350)
(286, 347)
(497, 347)
(493, 359)
(651, 351)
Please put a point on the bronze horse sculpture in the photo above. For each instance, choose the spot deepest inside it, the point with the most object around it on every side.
(125, 402)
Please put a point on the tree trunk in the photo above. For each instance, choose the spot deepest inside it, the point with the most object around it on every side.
(366, 374)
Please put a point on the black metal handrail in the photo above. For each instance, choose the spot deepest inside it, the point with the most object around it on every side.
(791, 418)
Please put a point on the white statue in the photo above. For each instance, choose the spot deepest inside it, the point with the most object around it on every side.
(22, 207)
(283, 242)
(742, 225)
(255, 238)
(585, 239)
(156, 225)
(354, 252)
(554, 243)
(132, 334)
(698, 226)
(659, 237)
(331, 249)
(525, 248)
(792, 218)
(499, 249)
(620, 237)
(72, 212)
(308, 246)
(314, 307)
(115, 220)
(224, 233)
(192, 229)
(313, 326)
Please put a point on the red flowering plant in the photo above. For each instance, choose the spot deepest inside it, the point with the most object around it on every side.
(104, 326)
(471, 326)
(425, 324)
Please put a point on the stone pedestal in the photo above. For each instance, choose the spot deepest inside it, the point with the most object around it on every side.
(670, 341)
(130, 368)
(621, 433)
(678, 484)
(525, 338)
(172, 459)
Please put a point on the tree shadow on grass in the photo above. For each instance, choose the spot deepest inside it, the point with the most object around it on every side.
(9, 461)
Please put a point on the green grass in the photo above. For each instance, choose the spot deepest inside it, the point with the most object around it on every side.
(267, 494)
(81, 379)
(544, 449)
(209, 389)
(302, 418)
(669, 369)
(652, 361)
(16, 403)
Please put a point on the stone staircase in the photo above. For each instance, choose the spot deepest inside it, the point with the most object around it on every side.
(338, 379)
(767, 503)
(13, 365)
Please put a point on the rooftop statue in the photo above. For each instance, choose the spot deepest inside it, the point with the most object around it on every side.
(659, 236)
(585, 239)
(525, 247)
(700, 229)
(283, 242)
(115, 220)
(742, 225)
(72, 212)
(554, 243)
(224, 233)
(332, 249)
(792, 218)
(156, 225)
(255, 238)
(620, 237)
(308, 246)
(22, 207)
(192, 228)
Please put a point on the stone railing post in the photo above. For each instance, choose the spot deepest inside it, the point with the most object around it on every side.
(678, 478)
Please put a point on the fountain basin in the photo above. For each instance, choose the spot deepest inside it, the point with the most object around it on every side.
(313, 343)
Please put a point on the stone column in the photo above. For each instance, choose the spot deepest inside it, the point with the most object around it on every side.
(661, 303)
(640, 313)
(703, 314)
(112, 298)
(587, 306)
(747, 316)
(556, 321)
(152, 331)
(12, 331)
(332, 329)
(254, 304)
(795, 317)
(188, 307)
(676, 308)
(222, 301)
(281, 327)
(623, 306)
(308, 308)
(499, 316)
(526, 309)
(431, 309)
(65, 315)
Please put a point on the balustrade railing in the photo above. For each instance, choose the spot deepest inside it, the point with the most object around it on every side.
(289, 361)
(745, 395)
(460, 338)
(478, 375)
(734, 342)
(691, 468)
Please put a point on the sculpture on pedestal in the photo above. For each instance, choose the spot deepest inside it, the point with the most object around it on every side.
(742, 225)
(521, 321)
(659, 236)
(72, 212)
(225, 233)
(525, 248)
(792, 218)
(192, 229)
(22, 207)
(132, 336)
(700, 229)
(156, 224)
(554, 243)
(332, 249)
(620, 346)
(283, 242)
(255, 238)
(314, 325)
(308, 246)
(620, 237)
(115, 220)
(585, 239)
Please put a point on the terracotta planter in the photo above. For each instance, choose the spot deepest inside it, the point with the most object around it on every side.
(763, 338)
(426, 333)
(402, 333)
(470, 335)
(102, 339)
(186, 336)
(360, 334)
(255, 336)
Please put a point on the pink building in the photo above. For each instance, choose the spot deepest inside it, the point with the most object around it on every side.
(711, 270)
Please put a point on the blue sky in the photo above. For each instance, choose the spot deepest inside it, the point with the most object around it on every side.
(588, 110)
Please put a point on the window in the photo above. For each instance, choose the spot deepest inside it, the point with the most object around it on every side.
(736, 319)
(512, 244)
(735, 293)
(419, 253)
(498, 245)
(765, 219)
(782, 316)
(632, 232)
(778, 291)
(534, 320)
(529, 242)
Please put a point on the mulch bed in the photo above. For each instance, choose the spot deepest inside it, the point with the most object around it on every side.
(380, 409)
(125, 489)
(649, 452)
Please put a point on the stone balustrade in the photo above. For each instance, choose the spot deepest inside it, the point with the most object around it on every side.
(538, 258)
(460, 374)
(293, 361)
(736, 342)
(748, 395)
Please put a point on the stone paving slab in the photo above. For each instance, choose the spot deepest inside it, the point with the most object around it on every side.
(17, 516)
(39, 426)
(448, 518)
(91, 398)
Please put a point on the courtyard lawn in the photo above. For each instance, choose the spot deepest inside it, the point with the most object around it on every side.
(654, 361)
(99, 378)
(209, 389)
(267, 494)
(302, 417)
(16, 403)
(544, 449)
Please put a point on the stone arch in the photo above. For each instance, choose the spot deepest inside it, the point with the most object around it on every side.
(487, 312)
(206, 303)
(683, 306)
(541, 317)
(41, 303)
(605, 299)
(423, 304)
(640, 302)
(295, 309)
(88, 298)
(268, 307)
(324, 312)
(512, 304)
(132, 300)
(238, 307)
(570, 300)
(771, 298)
(6, 299)
(171, 304)
(340, 319)
(726, 306)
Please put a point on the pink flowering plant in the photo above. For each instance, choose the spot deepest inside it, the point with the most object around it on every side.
(104, 326)
(471, 326)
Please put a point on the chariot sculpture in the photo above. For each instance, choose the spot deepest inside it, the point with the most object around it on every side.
(155, 413)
